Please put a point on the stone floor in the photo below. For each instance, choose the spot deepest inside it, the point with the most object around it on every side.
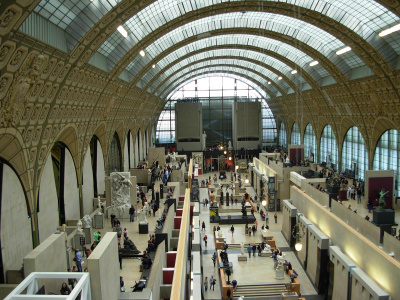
(256, 270)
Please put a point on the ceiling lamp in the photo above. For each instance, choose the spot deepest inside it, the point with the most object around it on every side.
(294, 72)
(230, 157)
(153, 66)
(314, 63)
(142, 53)
(122, 31)
(225, 152)
(269, 82)
(344, 50)
(297, 233)
(264, 202)
(279, 78)
(298, 246)
(246, 180)
(390, 30)
(236, 167)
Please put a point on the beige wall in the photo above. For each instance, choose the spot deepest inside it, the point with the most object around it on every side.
(391, 245)
(342, 266)
(156, 154)
(288, 211)
(316, 239)
(382, 268)
(304, 223)
(363, 288)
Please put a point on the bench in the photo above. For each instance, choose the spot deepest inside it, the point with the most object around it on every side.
(296, 283)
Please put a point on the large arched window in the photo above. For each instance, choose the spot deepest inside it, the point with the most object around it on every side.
(114, 155)
(310, 142)
(354, 154)
(282, 136)
(328, 147)
(295, 135)
(217, 95)
(387, 155)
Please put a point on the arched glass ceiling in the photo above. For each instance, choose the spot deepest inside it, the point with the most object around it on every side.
(234, 76)
(364, 17)
(217, 69)
(76, 17)
(270, 61)
(311, 35)
(236, 64)
(237, 40)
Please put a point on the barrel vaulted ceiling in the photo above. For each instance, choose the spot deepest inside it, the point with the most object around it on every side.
(71, 69)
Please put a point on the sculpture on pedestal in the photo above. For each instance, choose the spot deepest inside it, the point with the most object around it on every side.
(219, 233)
(99, 205)
(242, 248)
(87, 221)
(267, 249)
(120, 191)
(79, 227)
(382, 200)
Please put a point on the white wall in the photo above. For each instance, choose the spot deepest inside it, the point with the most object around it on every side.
(48, 215)
(71, 190)
(87, 187)
(101, 172)
(16, 234)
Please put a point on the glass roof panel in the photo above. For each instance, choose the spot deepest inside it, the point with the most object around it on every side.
(226, 61)
(194, 70)
(74, 16)
(236, 40)
(268, 60)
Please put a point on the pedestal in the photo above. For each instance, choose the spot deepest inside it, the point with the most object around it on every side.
(88, 235)
(342, 195)
(384, 216)
(143, 228)
(289, 296)
(227, 199)
(242, 257)
(119, 214)
(98, 221)
(279, 274)
(236, 188)
(161, 191)
(266, 254)
(77, 241)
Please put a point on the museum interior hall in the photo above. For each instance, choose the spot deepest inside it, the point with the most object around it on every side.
(200, 149)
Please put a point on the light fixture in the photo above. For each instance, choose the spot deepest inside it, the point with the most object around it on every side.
(221, 147)
(225, 152)
(269, 82)
(264, 202)
(246, 180)
(297, 233)
(236, 167)
(230, 157)
(390, 30)
(279, 78)
(122, 31)
(314, 63)
(141, 52)
(294, 72)
(343, 50)
(298, 246)
(153, 66)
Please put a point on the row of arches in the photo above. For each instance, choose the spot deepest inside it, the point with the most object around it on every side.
(61, 195)
(353, 154)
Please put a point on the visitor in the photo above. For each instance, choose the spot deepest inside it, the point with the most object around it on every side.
(249, 249)
(203, 226)
(78, 260)
(65, 290)
(212, 282)
(120, 256)
(254, 248)
(131, 214)
(214, 258)
(206, 284)
(232, 230)
(205, 240)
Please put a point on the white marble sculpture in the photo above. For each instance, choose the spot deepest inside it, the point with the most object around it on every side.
(120, 191)
(142, 215)
(242, 248)
(267, 249)
(287, 159)
(79, 227)
(281, 260)
(220, 233)
(230, 145)
(86, 221)
(99, 205)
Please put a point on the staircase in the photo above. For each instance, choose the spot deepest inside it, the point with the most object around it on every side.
(259, 290)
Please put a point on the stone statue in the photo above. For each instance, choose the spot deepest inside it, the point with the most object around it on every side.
(99, 205)
(382, 200)
(142, 214)
(62, 229)
(120, 191)
(87, 221)
(229, 145)
(79, 227)
(220, 233)
(287, 159)
(242, 248)
(281, 260)
(267, 249)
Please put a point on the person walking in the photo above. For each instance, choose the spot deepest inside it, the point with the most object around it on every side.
(132, 214)
(206, 284)
(249, 250)
(214, 258)
(203, 226)
(259, 250)
(267, 218)
(205, 240)
(120, 256)
(234, 284)
(78, 260)
(232, 230)
(358, 195)
(228, 294)
(254, 249)
(276, 218)
(212, 282)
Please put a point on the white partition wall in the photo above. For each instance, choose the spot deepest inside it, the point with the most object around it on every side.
(188, 126)
(342, 266)
(302, 255)
(16, 234)
(87, 184)
(48, 215)
(363, 288)
(246, 125)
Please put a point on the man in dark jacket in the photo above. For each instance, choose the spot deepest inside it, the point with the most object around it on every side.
(132, 213)
(254, 249)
